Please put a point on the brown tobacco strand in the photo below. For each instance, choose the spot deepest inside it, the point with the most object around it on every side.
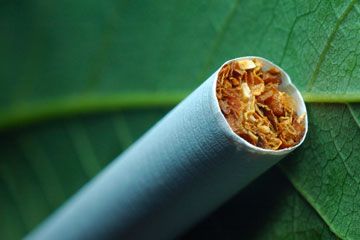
(255, 108)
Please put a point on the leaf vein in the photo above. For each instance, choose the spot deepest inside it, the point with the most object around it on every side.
(328, 44)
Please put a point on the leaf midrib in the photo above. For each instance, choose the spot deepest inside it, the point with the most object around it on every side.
(32, 112)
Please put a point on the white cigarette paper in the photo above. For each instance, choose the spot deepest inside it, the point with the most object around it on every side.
(183, 168)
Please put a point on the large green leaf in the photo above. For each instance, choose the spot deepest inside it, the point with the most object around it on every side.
(126, 63)
(258, 213)
(327, 169)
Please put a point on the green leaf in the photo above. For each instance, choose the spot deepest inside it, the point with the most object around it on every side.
(257, 213)
(327, 169)
(42, 166)
(81, 80)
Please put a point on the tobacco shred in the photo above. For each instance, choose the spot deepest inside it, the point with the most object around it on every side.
(255, 108)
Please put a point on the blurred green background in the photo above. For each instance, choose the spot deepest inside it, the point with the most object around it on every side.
(81, 80)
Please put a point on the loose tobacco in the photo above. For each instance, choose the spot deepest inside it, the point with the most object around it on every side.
(255, 108)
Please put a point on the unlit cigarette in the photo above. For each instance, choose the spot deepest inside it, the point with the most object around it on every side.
(183, 168)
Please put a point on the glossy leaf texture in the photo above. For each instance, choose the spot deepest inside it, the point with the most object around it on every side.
(81, 80)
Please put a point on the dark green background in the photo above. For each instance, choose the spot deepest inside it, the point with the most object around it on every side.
(81, 80)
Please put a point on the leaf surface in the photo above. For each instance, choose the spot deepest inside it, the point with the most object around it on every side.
(257, 213)
(82, 80)
(326, 169)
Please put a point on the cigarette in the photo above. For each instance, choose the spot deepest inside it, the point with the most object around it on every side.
(193, 160)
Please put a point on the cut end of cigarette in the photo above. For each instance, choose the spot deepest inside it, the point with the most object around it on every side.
(255, 108)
